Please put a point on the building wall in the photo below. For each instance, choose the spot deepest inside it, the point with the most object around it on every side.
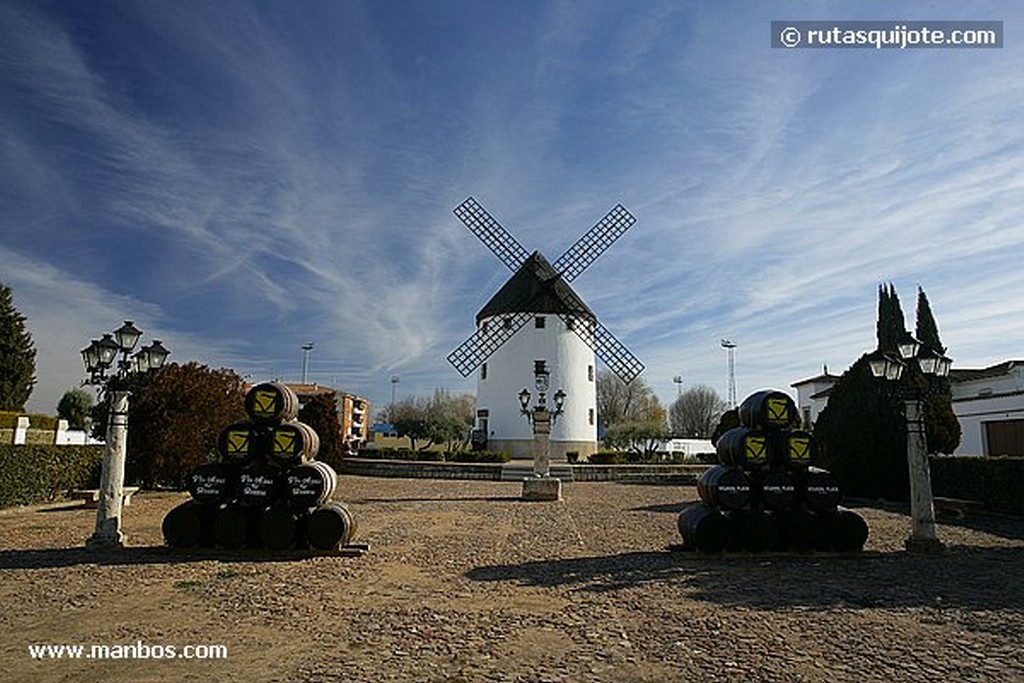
(978, 403)
(570, 362)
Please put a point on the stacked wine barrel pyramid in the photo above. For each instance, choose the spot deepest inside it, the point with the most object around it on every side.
(766, 495)
(267, 490)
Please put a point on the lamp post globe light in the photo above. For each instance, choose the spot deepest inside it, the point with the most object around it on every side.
(99, 359)
(930, 362)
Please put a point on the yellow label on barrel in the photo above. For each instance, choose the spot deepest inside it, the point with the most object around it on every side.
(778, 410)
(755, 448)
(799, 449)
(264, 403)
(285, 442)
(238, 441)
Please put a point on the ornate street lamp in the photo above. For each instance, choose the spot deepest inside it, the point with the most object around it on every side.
(98, 357)
(542, 486)
(930, 362)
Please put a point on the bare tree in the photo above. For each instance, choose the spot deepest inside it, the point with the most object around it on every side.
(618, 402)
(696, 412)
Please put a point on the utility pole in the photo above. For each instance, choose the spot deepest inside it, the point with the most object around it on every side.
(678, 379)
(306, 348)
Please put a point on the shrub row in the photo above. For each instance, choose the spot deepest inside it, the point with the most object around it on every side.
(631, 458)
(434, 456)
(34, 474)
(996, 481)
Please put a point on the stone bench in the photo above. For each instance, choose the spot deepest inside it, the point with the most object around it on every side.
(91, 497)
(957, 507)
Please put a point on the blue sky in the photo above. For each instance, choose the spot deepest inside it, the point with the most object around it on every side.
(242, 178)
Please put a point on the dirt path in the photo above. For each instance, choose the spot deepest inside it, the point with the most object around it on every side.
(465, 582)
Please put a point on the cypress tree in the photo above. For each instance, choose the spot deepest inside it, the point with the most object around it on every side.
(927, 331)
(17, 355)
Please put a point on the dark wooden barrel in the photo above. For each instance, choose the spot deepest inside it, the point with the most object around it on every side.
(724, 487)
(769, 409)
(774, 489)
(258, 484)
(271, 402)
(798, 450)
(293, 443)
(743, 447)
(797, 529)
(211, 483)
(310, 484)
(189, 525)
(847, 531)
(818, 489)
(280, 527)
(236, 526)
(752, 530)
(330, 526)
(704, 528)
(242, 442)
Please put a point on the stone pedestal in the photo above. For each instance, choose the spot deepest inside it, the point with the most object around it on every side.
(108, 532)
(542, 488)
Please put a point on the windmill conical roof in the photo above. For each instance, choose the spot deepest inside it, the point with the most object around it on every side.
(535, 288)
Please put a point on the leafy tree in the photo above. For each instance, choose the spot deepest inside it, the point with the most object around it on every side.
(321, 413)
(620, 402)
(643, 437)
(175, 415)
(441, 419)
(75, 406)
(696, 412)
(17, 355)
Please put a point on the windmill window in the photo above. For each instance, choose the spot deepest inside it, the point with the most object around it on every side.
(590, 373)
(540, 367)
(590, 415)
(539, 322)
(483, 371)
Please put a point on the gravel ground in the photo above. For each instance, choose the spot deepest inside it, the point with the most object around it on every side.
(465, 582)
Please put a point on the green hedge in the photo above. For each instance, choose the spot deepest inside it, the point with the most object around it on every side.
(33, 474)
(9, 420)
(998, 481)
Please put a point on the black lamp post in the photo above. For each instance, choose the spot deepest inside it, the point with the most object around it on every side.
(931, 362)
(99, 358)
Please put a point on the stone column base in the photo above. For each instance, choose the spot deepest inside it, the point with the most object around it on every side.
(542, 488)
(924, 546)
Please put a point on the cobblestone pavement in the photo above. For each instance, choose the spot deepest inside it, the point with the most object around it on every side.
(465, 582)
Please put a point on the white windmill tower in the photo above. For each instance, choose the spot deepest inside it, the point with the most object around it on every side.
(537, 332)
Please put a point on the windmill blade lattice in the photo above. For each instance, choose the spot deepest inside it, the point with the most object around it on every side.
(615, 355)
(490, 232)
(476, 349)
(579, 256)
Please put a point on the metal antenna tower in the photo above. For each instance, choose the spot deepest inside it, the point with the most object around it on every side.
(730, 348)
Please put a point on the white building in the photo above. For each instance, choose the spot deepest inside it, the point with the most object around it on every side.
(546, 343)
(988, 403)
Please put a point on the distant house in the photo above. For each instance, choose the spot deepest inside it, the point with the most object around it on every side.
(988, 403)
(353, 412)
(812, 395)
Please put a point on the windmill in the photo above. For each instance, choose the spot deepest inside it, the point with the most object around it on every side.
(559, 339)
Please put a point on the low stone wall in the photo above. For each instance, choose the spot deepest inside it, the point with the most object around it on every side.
(661, 474)
(405, 469)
